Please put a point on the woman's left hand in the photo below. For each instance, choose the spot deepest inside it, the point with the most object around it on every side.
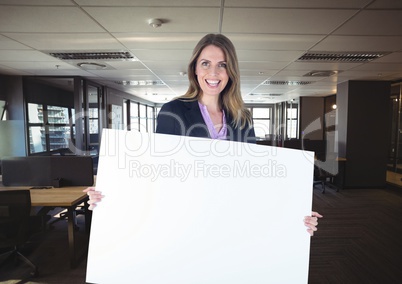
(311, 222)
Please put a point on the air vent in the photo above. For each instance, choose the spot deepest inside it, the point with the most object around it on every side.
(320, 73)
(94, 55)
(341, 56)
(286, 83)
(141, 83)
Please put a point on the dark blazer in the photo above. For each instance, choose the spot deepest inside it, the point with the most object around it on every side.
(181, 117)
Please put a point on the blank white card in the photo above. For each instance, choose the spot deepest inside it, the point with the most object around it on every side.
(191, 210)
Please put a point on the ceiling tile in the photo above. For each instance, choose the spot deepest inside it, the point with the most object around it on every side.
(159, 40)
(273, 41)
(309, 66)
(360, 43)
(391, 58)
(25, 55)
(380, 67)
(151, 3)
(296, 3)
(157, 55)
(386, 4)
(271, 21)
(5, 70)
(262, 66)
(7, 43)
(45, 19)
(167, 66)
(368, 23)
(68, 41)
(126, 65)
(136, 19)
(32, 65)
(133, 74)
(268, 55)
(37, 2)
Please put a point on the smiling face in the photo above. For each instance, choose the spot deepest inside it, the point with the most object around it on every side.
(211, 71)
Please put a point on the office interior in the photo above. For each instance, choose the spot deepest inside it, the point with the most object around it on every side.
(321, 73)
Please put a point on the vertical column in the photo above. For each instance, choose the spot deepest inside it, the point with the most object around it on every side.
(363, 132)
(13, 136)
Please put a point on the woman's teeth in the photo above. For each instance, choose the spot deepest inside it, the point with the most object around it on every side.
(212, 83)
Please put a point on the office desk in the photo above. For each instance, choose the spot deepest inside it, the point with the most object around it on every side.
(65, 197)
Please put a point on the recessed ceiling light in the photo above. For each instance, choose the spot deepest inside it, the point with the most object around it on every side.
(91, 66)
(321, 73)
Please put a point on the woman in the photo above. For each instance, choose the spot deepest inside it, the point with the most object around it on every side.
(212, 106)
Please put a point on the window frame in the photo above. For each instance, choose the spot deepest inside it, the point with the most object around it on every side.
(144, 118)
(46, 125)
(269, 119)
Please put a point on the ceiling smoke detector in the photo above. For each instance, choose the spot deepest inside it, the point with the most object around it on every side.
(155, 23)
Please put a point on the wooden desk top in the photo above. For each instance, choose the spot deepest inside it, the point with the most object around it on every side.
(55, 197)
(59, 197)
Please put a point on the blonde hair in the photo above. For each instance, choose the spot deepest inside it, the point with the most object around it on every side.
(230, 99)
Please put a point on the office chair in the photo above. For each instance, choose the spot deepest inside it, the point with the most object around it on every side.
(15, 224)
(80, 210)
(325, 175)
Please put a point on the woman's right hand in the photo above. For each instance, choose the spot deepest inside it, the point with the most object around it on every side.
(94, 197)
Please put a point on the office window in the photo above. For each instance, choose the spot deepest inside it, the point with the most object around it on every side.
(150, 119)
(262, 118)
(142, 117)
(48, 127)
(134, 117)
(125, 121)
(93, 120)
(3, 110)
(291, 122)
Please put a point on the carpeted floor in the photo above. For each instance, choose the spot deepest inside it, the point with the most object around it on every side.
(49, 252)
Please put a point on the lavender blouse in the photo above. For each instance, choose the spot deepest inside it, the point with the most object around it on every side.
(208, 121)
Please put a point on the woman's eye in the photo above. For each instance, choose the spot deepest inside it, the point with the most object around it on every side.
(222, 65)
(205, 64)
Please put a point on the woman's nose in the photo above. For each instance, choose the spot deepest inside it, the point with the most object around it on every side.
(213, 69)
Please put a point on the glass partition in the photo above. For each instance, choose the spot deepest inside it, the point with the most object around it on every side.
(49, 110)
(63, 112)
(94, 97)
(395, 149)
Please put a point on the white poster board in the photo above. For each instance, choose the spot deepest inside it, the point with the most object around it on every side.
(190, 210)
